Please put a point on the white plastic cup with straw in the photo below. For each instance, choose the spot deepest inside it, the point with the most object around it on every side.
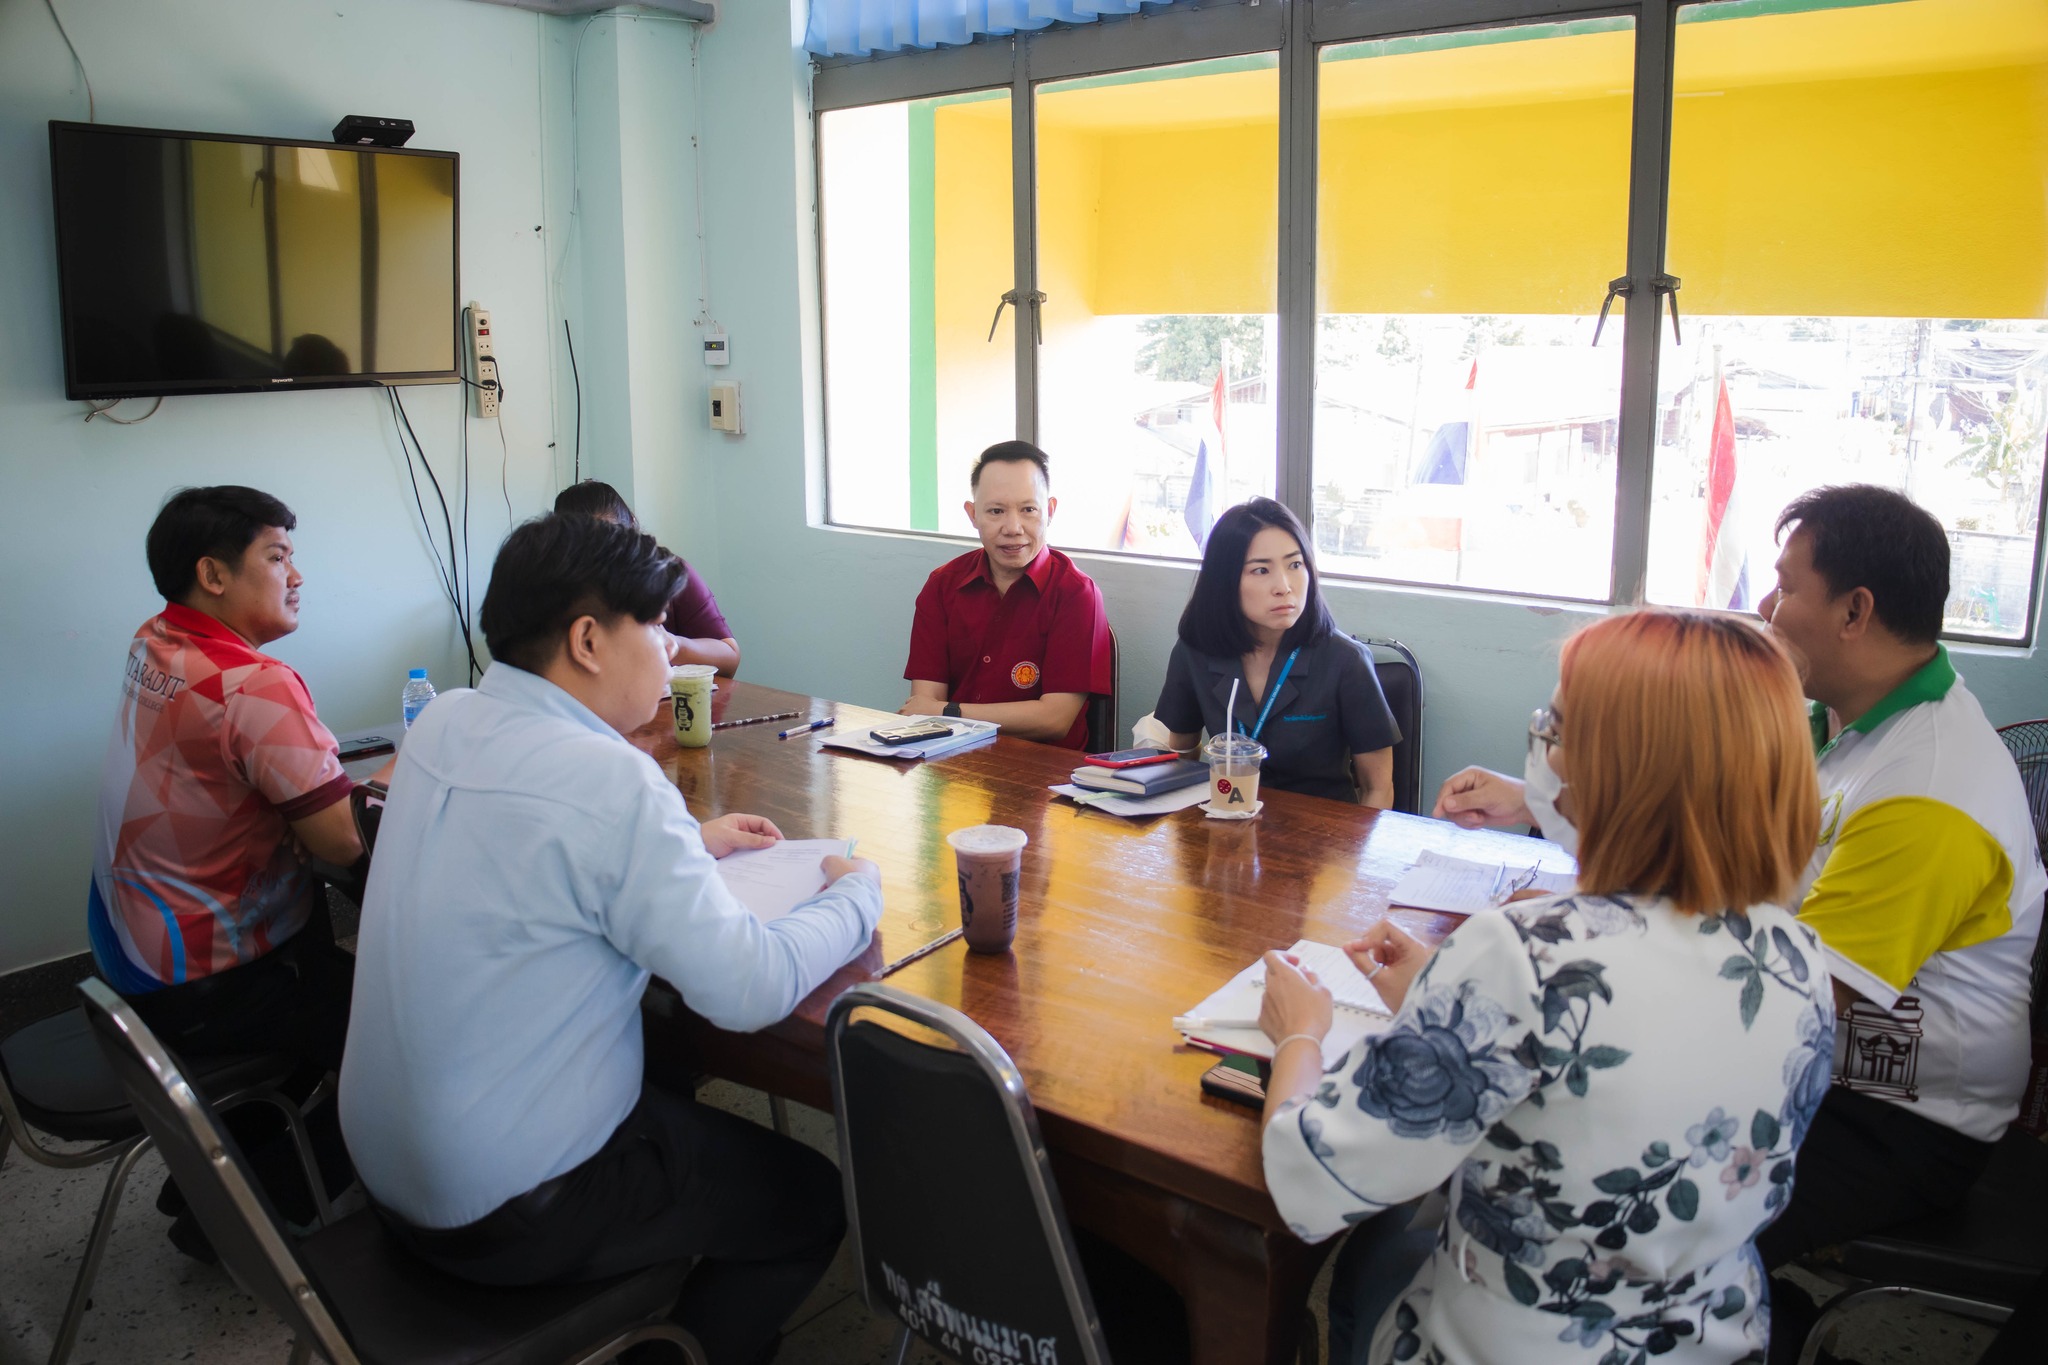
(1233, 767)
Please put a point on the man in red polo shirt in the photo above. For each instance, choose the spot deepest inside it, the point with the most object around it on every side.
(1012, 632)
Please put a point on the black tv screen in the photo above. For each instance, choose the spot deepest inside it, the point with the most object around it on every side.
(204, 263)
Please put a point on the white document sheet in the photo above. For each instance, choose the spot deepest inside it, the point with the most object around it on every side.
(775, 880)
(966, 734)
(1439, 881)
(1359, 1012)
(1122, 803)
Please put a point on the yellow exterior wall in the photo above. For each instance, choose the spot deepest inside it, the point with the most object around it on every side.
(1495, 210)
(973, 265)
(1174, 240)
(1915, 196)
(1879, 160)
(1071, 225)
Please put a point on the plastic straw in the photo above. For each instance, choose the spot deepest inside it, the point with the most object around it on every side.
(1230, 731)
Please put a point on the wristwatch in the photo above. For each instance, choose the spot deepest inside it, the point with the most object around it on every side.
(952, 711)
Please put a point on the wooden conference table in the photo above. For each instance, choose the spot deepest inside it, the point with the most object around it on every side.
(1123, 925)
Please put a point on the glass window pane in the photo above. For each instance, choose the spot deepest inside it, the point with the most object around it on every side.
(1158, 240)
(1473, 204)
(1859, 211)
(917, 246)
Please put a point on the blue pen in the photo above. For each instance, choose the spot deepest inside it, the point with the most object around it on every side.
(806, 729)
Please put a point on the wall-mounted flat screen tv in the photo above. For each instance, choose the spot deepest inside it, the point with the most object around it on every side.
(204, 263)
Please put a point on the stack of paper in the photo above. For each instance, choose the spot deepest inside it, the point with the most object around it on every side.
(1439, 881)
(966, 734)
(1134, 807)
(775, 880)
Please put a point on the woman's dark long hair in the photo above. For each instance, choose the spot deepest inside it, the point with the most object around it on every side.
(596, 498)
(1214, 621)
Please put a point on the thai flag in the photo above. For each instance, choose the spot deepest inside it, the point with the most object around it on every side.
(1724, 563)
(1204, 499)
(1451, 447)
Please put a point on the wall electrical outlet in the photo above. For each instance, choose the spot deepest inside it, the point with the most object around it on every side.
(725, 408)
(716, 351)
(483, 361)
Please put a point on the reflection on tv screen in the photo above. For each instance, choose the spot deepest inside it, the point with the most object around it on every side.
(199, 264)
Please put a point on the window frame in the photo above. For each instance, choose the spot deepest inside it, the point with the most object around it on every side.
(1296, 31)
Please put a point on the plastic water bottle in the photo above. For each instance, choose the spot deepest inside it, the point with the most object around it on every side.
(418, 692)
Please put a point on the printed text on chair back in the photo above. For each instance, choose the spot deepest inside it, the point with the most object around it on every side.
(951, 1238)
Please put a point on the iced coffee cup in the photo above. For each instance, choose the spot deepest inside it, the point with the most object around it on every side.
(689, 687)
(1234, 775)
(990, 859)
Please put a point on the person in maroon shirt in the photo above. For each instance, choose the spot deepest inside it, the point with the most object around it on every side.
(1012, 632)
(697, 632)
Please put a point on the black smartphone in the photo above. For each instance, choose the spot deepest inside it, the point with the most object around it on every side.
(1239, 1079)
(369, 746)
(910, 734)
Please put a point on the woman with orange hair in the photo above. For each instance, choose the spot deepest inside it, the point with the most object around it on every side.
(1613, 1082)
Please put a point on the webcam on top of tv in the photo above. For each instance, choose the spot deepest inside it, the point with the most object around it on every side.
(363, 131)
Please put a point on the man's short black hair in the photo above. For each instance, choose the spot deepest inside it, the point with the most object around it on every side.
(1213, 622)
(207, 523)
(1863, 536)
(562, 566)
(595, 498)
(1009, 452)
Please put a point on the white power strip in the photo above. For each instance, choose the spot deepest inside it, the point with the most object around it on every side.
(483, 361)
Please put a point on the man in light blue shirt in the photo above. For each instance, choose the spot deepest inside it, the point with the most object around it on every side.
(533, 870)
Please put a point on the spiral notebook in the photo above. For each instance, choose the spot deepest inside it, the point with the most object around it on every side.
(1359, 1009)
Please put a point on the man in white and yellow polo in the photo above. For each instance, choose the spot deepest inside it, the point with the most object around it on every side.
(1927, 884)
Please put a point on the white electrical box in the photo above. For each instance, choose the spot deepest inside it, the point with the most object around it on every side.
(725, 408)
(716, 350)
(483, 361)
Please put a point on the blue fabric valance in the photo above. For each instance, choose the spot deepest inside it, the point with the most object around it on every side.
(858, 27)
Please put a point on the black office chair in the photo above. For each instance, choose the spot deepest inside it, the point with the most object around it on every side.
(956, 1225)
(1981, 1260)
(1977, 1261)
(54, 1081)
(1401, 681)
(2027, 741)
(349, 1292)
(1102, 732)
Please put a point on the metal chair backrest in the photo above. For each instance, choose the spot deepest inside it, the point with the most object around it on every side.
(955, 1220)
(2027, 741)
(1401, 681)
(1102, 732)
(366, 806)
(211, 1173)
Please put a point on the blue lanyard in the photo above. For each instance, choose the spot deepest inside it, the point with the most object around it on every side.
(1273, 692)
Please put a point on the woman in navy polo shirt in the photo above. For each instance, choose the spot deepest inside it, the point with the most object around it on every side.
(1306, 690)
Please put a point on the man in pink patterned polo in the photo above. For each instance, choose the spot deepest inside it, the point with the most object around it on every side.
(218, 780)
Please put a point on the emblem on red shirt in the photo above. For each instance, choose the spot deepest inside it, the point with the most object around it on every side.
(1025, 675)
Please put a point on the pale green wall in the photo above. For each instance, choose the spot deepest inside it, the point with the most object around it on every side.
(77, 498)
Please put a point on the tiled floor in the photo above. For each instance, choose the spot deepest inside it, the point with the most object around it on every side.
(154, 1305)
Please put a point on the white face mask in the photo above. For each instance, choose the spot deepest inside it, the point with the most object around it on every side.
(1541, 786)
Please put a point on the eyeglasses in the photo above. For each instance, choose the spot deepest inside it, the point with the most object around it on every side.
(1543, 726)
